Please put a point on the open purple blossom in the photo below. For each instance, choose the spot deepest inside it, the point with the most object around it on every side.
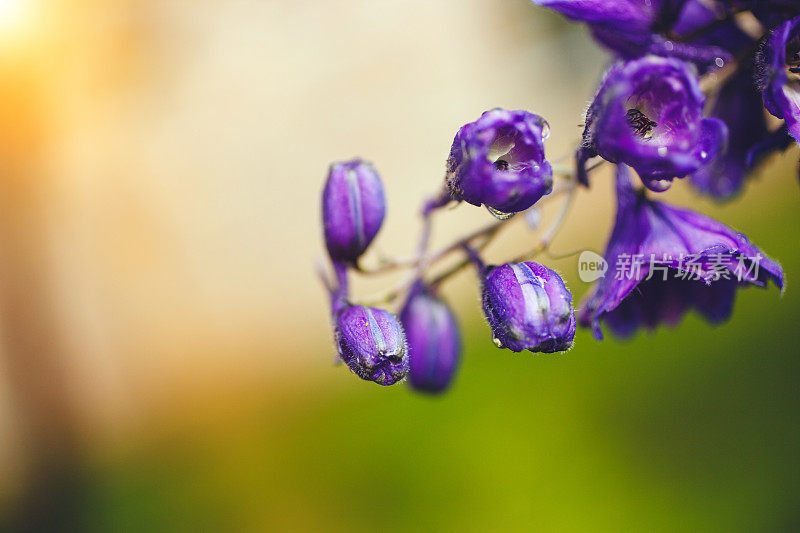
(499, 161)
(434, 341)
(664, 261)
(372, 343)
(634, 28)
(623, 25)
(738, 103)
(778, 65)
(353, 207)
(528, 307)
(706, 33)
(648, 114)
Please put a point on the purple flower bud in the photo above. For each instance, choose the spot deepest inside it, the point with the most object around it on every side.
(648, 114)
(528, 308)
(498, 161)
(778, 65)
(434, 342)
(353, 207)
(372, 343)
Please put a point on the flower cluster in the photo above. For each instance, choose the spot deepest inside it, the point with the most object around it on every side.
(686, 94)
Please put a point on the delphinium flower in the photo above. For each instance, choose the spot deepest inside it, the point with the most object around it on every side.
(634, 28)
(666, 260)
(372, 343)
(369, 340)
(353, 207)
(779, 74)
(434, 340)
(499, 161)
(648, 114)
(738, 104)
(527, 305)
(684, 96)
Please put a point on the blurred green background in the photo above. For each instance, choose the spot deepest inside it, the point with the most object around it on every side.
(687, 429)
(165, 350)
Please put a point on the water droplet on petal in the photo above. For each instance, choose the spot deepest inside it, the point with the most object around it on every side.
(703, 154)
(499, 215)
(659, 185)
(497, 342)
(719, 62)
(662, 151)
(545, 130)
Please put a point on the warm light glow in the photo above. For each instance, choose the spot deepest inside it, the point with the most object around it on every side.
(15, 19)
(11, 12)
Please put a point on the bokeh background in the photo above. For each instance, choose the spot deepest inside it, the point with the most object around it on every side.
(166, 361)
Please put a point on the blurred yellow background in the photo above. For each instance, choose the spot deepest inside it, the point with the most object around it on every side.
(166, 353)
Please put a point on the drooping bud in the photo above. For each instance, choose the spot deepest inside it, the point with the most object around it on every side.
(434, 341)
(528, 308)
(372, 343)
(353, 207)
(498, 161)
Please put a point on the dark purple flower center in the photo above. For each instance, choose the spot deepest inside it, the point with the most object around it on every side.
(510, 152)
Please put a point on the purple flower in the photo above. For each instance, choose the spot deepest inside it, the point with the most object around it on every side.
(648, 114)
(528, 307)
(353, 207)
(633, 19)
(708, 33)
(372, 343)
(434, 341)
(665, 260)
(778, 64)
(498, 161)
(738, 103)
(634, 28)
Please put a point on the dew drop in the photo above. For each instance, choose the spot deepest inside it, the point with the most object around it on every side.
(497, 342)
(499, 215)
(703, 154)
(545, 130)
(659, 185)
(662, 151)
(719, 62)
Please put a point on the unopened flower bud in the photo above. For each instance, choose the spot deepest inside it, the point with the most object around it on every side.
(434, 342)
(372, 343)
(353, 207)
(528, 308)
(498, 161)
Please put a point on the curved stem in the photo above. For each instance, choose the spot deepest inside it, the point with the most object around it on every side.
(553, 229)
(424, 259)
(390, 265)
